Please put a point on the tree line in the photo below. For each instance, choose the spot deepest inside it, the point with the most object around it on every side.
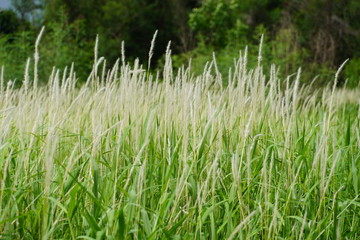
(317, 35)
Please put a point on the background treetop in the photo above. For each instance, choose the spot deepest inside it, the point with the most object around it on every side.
(315, 34)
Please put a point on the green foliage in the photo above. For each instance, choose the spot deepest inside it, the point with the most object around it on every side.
(24, 7)
(62, 45)
(315, 35)
(352, 73)
(212, 21)
(133, 26)
(127, 158)
(9, 22)
(14, 51)
(133, 22)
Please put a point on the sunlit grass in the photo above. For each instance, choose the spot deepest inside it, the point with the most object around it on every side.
(143, 156)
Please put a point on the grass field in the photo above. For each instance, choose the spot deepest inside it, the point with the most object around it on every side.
(136, 155)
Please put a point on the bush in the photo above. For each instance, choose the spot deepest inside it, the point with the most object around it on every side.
(352, 73)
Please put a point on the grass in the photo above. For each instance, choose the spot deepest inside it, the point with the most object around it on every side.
(132, 155)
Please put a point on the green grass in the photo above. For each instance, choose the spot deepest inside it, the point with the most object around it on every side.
(131, 155)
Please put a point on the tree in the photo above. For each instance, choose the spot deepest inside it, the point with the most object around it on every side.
(131, 21)
(25, 7)
(9, 22)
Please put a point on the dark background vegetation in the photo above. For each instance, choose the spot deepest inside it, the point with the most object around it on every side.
(317, 35)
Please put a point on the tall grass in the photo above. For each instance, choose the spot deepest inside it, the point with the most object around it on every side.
(135, 155)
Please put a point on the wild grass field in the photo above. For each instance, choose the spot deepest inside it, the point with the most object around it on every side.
(137, 155)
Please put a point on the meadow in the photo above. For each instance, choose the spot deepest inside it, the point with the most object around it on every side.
(133, 154)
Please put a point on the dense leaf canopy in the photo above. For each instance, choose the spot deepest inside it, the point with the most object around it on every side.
(315, 34)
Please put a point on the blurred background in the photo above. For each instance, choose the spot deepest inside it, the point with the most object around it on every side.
(317, 35)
